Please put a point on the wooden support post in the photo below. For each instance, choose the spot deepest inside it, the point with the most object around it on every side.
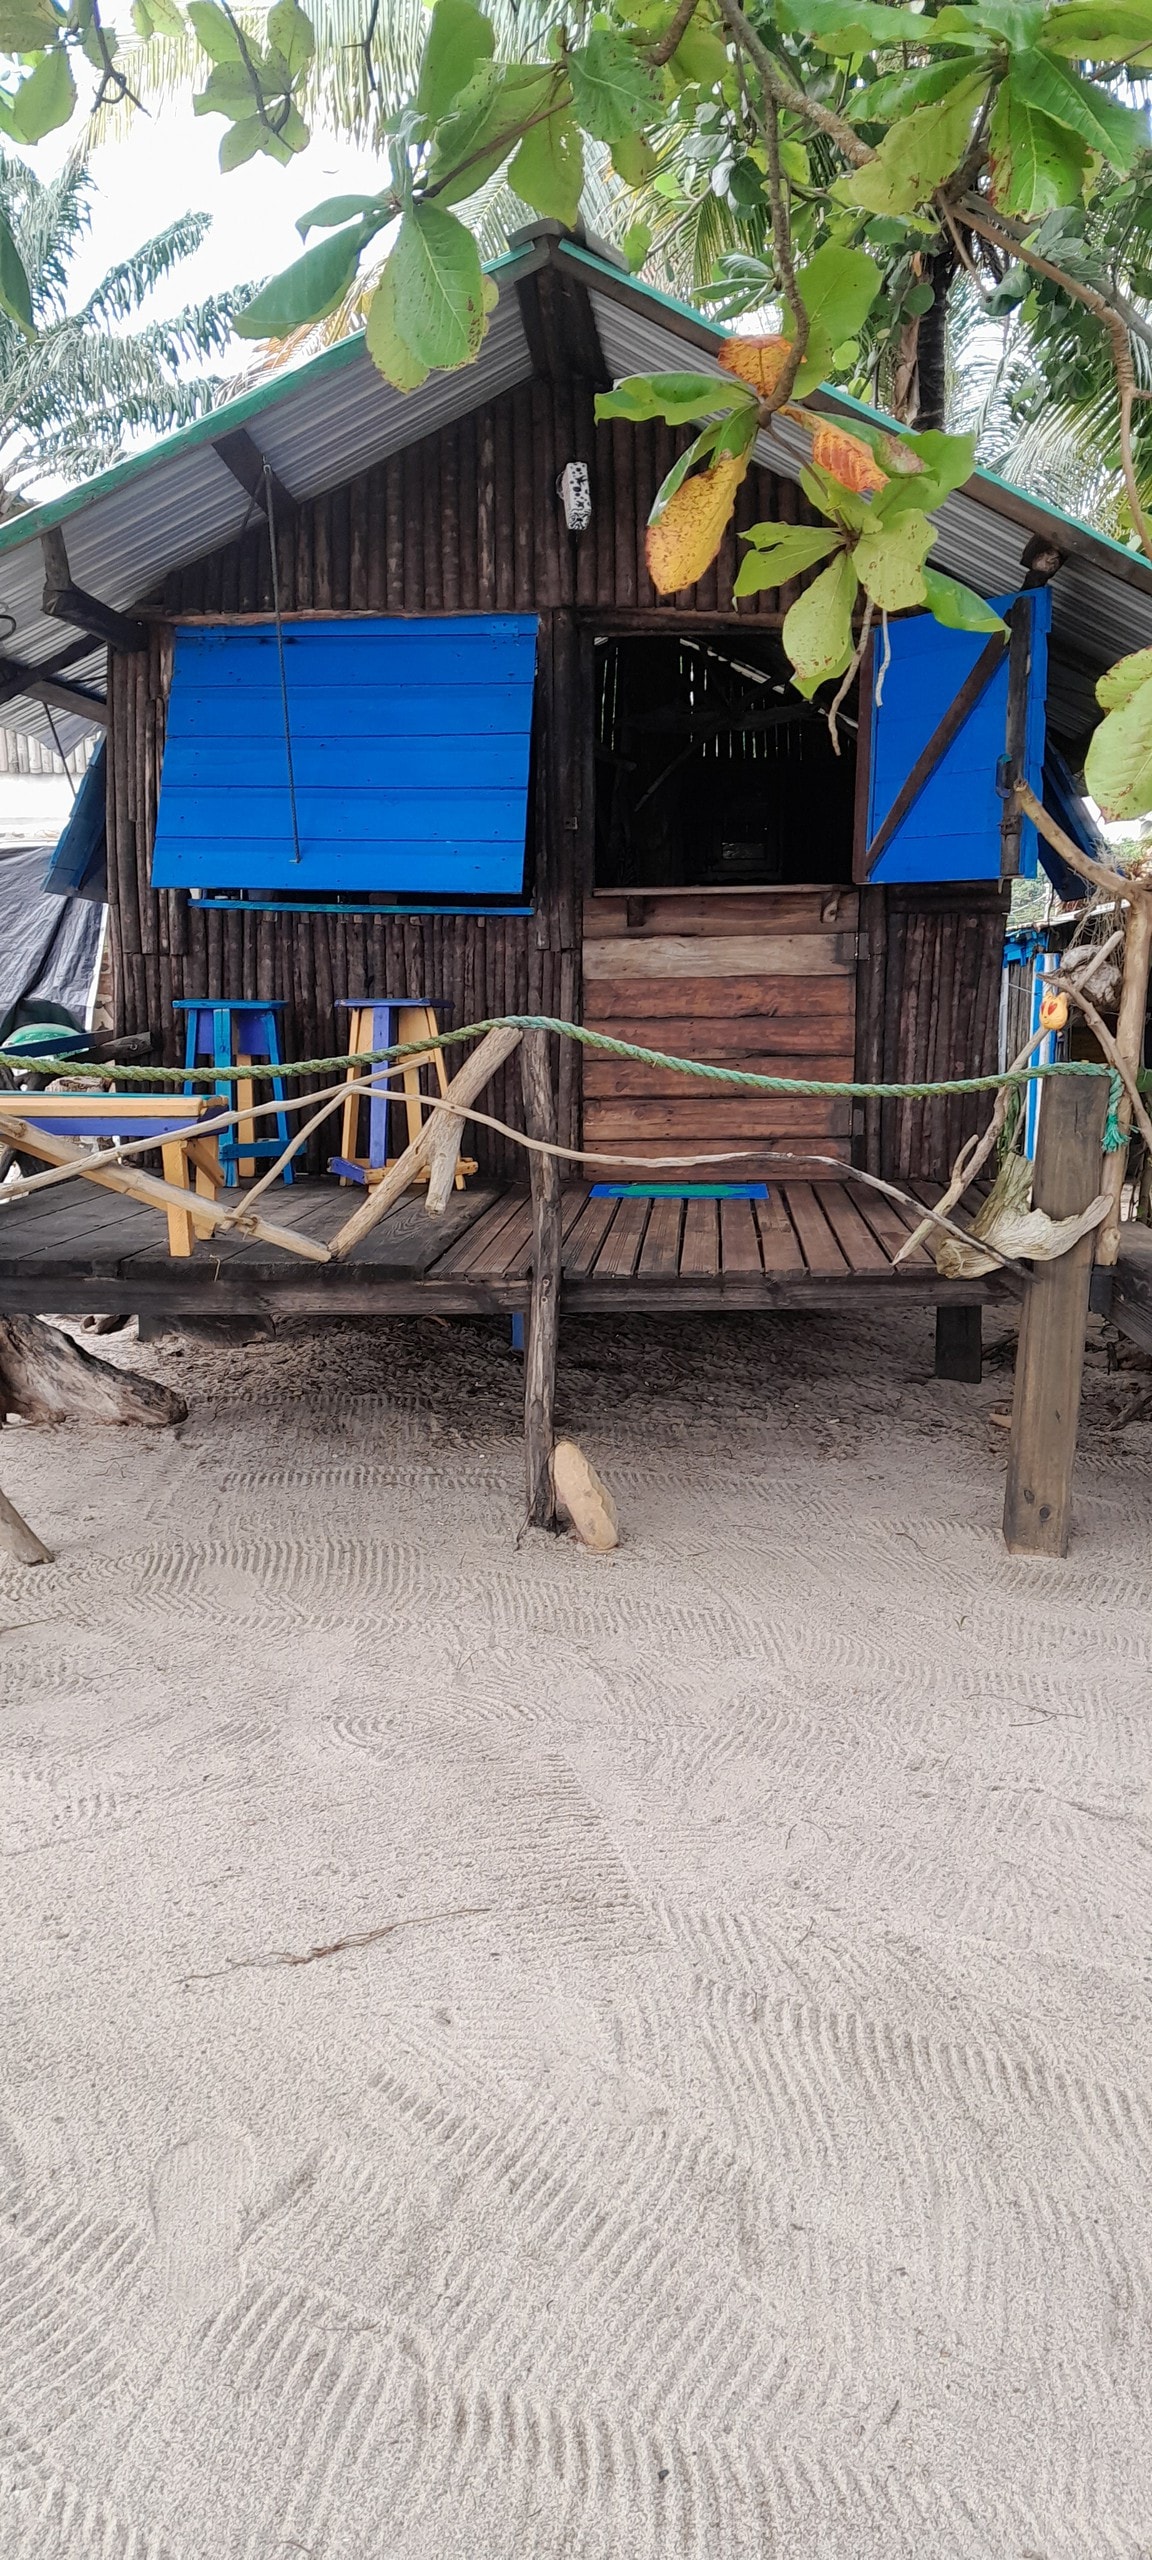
(959, 1344)
(543, 1325)
(1050, 1354)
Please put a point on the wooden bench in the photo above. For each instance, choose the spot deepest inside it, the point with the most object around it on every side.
(169, 1118)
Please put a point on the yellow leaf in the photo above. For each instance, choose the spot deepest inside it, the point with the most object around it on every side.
(685, 541)
(760, 361)
(853, 464)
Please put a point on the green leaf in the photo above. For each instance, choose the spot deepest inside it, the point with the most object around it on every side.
(1116, 31)
(781, 552)
(459, 39)
(388, 350)
(635, 245)
(45, 99)
(227, 91)
(313, 285)
(484, 127)
(217, 38)
(242, 141)
(675, 397)
(957, 607)
(817, 630)
(896, 93)
(548, 170)
(633, 159)
(849, 27)
(917, 154)
(844, 506)
(28, 26)
(1118, 685)
(338, 209)
(1118, 767)
(289, 30)
(1118, 132)
(439, 308)
(15, 294)
(838, 288)
(946, 463)
(794, 160)
(1034, 164)
(701, 58)
(614, 91)
(890, 561)
(1017, 21)
(166, 18)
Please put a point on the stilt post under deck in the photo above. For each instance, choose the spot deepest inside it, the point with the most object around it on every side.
(1050, 1354)
(960, 1344)
(543, 1322)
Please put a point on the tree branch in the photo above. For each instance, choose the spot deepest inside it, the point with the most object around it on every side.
(783, 94)
(1099, 875)
(1119, 325)
(663, 52)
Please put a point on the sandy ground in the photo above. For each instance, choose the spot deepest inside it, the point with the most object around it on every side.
(727, 2129)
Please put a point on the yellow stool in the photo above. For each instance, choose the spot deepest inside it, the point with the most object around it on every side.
(392, 1022)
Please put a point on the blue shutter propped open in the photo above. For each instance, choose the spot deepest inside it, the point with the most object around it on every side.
(410, 748)
(952, 829)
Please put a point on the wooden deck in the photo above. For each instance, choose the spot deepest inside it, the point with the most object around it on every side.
(811, 1244)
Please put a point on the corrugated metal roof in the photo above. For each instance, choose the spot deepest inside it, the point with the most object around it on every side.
(318, 426)
(329, 419)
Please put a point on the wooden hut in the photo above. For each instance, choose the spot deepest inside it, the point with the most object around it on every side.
(515, 779)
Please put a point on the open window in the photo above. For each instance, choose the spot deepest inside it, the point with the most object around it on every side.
(712, 772)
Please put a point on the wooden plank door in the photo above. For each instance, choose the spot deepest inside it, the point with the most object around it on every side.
(763, 979)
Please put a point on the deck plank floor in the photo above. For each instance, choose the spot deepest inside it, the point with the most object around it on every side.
(75, 1248)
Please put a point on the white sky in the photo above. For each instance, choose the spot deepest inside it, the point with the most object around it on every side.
(168, 165)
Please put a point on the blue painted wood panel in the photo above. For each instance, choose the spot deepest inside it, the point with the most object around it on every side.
(410, 748)
(952, 831)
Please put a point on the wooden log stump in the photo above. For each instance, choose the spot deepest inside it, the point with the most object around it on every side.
(46, 1377)
(544, 1313)
(1050, 1353)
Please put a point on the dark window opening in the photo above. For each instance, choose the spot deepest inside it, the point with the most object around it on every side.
(712, 771)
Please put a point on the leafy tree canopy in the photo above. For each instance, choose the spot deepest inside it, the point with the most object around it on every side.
(857, 138)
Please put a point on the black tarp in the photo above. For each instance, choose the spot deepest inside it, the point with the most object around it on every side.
(49, 946)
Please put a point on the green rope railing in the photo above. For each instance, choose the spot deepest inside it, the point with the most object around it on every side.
(741, 1078)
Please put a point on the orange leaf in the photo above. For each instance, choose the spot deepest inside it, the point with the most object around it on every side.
(759, 361)
(851, 463)
(1053, 1013)
(688, 536)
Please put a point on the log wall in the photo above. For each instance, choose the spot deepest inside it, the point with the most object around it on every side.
(929, 997)
(470, 520)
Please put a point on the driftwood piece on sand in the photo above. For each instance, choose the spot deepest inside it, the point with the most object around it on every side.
(46, 1377)
(17, 1539)
(583, 1498)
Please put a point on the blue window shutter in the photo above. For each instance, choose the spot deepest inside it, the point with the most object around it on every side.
(952, 830)
(410, 745)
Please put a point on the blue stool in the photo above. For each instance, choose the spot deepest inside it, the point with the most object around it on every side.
(238, 1035)
(386, 1024)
